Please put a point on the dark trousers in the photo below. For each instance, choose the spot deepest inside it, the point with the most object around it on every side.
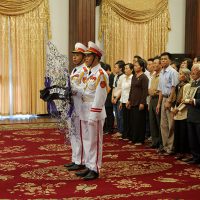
(181, 143)
(126, 122)
(109, 121)
(194, 139)
(138, 124)
(119, 117)
(148, 132)
(154, 122)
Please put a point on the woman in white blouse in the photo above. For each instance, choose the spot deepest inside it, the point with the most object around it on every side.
(125, 89)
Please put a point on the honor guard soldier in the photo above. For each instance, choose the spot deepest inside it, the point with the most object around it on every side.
(92, 114)
(77, 79)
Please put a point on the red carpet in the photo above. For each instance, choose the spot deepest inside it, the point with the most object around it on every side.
(31, 167)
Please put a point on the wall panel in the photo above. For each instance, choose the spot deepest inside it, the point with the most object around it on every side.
(192, 28)
(81, 23)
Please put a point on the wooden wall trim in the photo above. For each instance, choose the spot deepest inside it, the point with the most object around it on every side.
(81, 23)
(192, 28)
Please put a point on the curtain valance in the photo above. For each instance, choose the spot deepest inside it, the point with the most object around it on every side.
(18, 7)
(130, 27)
(138, 11)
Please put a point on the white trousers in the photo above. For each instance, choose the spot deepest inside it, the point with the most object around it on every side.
(77, 144)
(92, 143)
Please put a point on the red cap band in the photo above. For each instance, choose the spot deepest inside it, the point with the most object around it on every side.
(80, 49)
(95, 51)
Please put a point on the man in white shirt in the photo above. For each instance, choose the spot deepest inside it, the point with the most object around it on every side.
(149, 73)
(116, 94)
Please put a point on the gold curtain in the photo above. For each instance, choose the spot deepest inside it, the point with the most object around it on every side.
(4, 66)
(18, 7)
(29, 33)
(130, 27)
(28, 39)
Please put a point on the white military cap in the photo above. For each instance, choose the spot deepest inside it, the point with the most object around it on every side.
(79, 48)
(93, 48)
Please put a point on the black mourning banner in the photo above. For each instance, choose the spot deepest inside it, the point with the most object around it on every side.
(55, 92)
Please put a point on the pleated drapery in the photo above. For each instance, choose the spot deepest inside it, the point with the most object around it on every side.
(29, 31)
(130, 27)
(4, 65)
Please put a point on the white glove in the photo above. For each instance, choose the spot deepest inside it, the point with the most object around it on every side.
(74, 92)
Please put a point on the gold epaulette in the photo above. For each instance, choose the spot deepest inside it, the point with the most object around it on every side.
(82, 73)
(104, 77)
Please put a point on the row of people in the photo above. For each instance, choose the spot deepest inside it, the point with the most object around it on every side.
(158, 93)
(185, 63)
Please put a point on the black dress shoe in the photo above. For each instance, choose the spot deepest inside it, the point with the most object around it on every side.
(91, 175)
(187, 159)
(83, 172)
(69, 165)
(151, 146)
(193, 162)
(76, 167)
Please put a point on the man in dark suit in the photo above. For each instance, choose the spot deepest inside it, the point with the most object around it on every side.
(193, 119)
(109, 121)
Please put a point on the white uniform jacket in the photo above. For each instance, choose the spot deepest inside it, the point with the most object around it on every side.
(94, 95)
(78, 78)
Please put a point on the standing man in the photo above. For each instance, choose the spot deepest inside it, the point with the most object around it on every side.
(193, 118)
(93, 113)
(149, 71)
(109, 121)
(154, 118)
(167, 83)
(116, 95)
(77, 78)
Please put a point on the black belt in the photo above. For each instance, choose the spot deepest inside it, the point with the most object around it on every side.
(165, 96)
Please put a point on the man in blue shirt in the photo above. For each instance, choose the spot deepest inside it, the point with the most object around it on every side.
(167, 83)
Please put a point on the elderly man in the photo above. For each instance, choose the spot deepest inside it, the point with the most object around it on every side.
(193, 119)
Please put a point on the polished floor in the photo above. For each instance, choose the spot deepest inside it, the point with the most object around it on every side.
(30, 122)
(23, 119)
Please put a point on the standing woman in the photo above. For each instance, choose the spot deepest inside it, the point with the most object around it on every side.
(126, 86)
(186, 63)
(196, 60)
(137, 102)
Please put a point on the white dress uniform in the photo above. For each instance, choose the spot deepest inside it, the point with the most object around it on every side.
(77, 79)
(92, 116)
